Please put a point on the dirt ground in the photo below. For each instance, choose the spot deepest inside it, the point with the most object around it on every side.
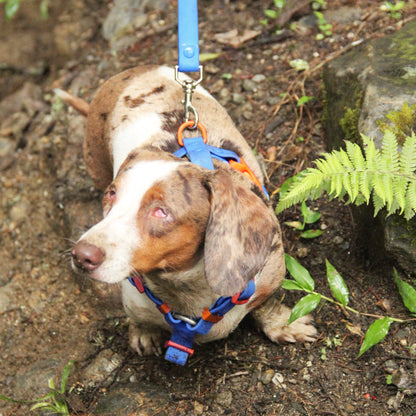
(49, 316)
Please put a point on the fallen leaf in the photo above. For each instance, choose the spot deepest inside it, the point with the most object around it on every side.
(233, 39)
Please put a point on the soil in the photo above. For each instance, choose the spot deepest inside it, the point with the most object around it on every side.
(49, 316)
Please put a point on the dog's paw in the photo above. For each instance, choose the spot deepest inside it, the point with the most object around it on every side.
(301, 330)
(272, 318)
(145, 340)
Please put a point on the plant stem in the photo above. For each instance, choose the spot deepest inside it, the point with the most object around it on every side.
(358, 312)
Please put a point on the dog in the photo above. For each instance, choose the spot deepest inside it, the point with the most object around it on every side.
(187, 234)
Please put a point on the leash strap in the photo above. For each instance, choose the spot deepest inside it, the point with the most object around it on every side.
(188, 43)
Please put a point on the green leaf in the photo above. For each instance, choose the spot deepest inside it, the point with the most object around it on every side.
(299, 64)
(304, 100)
(407, 292)
(65, 375)
(299, 273)
(337, 284)
(11, 8)
(44, 5)
(376, 333)
(271, 13)
(209, 56)
(305, 305)
(309, 216)
(297, 225)
(311, 234)
(291, 285)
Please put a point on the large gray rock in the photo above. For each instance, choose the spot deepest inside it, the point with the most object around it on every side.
(361, 87)
(127, 16)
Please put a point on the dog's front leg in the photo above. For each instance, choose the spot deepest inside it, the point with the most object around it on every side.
(148, 330)
(272, 317)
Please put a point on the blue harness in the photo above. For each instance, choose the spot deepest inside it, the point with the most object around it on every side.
(179, 347)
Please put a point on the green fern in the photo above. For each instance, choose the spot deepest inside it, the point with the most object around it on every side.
(385, 176)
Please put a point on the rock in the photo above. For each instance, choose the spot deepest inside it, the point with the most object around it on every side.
(7, 150)
(343, 15)
(224, 398)
(258, 78)
(28, 98)
(6, 297)
(34, 378)
(361, 87)
(136, 398)
(128, 15)
(267, 376)
(249, 85)
(101, 368)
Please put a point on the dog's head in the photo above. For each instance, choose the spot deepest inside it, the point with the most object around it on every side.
(162, 213)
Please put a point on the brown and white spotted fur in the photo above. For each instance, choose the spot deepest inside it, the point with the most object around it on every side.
(191, 233)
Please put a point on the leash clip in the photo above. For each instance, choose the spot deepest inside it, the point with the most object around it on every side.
(188, 85)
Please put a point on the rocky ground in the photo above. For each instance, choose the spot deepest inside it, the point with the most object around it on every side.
(48, 316)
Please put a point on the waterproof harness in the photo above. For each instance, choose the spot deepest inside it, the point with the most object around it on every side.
(184, 328)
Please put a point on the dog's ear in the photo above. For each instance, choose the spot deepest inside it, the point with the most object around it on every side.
(239, 233)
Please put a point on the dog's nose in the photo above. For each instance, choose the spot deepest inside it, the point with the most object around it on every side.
(87, 256)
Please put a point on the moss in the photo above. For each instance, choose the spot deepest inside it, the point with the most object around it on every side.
(401, 122)
(349, 124)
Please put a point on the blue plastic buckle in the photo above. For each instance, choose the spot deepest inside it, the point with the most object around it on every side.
(179, 347)
(188, 43)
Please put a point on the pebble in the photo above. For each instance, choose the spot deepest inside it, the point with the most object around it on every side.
(6, 296)
(19, 211)
(238, 98)
(7, 150)
(267, 376)
(249, 85)
(224, 399)
(258, 78)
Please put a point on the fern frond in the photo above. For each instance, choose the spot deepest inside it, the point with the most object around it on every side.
(410, 201)
(387, 177)
(408, 156)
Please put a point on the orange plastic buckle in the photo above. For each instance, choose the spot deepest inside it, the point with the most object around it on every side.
(189, 124)
(164, 308)
(209, 317)
(179, 347)
(243, 168)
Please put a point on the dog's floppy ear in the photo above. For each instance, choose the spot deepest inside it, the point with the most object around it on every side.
(239, 233)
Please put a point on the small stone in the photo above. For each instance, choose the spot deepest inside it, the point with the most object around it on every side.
(224, 399)
(211, 68)
(267, 376)
(19, 211)
(258, 78)
(198, 408)
(238, 98)
(249, 85)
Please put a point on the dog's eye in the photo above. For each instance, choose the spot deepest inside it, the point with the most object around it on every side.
(111, 194)
(159, 213)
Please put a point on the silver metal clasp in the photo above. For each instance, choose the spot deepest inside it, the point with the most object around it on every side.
(188, 85)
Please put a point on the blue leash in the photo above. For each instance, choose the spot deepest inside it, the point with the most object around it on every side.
(188, 42)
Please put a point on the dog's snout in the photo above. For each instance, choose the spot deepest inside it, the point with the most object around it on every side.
(87, 256)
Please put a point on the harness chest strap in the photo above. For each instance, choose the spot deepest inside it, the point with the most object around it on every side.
(179, 347)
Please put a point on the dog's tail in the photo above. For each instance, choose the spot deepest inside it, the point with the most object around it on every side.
(78, 103)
